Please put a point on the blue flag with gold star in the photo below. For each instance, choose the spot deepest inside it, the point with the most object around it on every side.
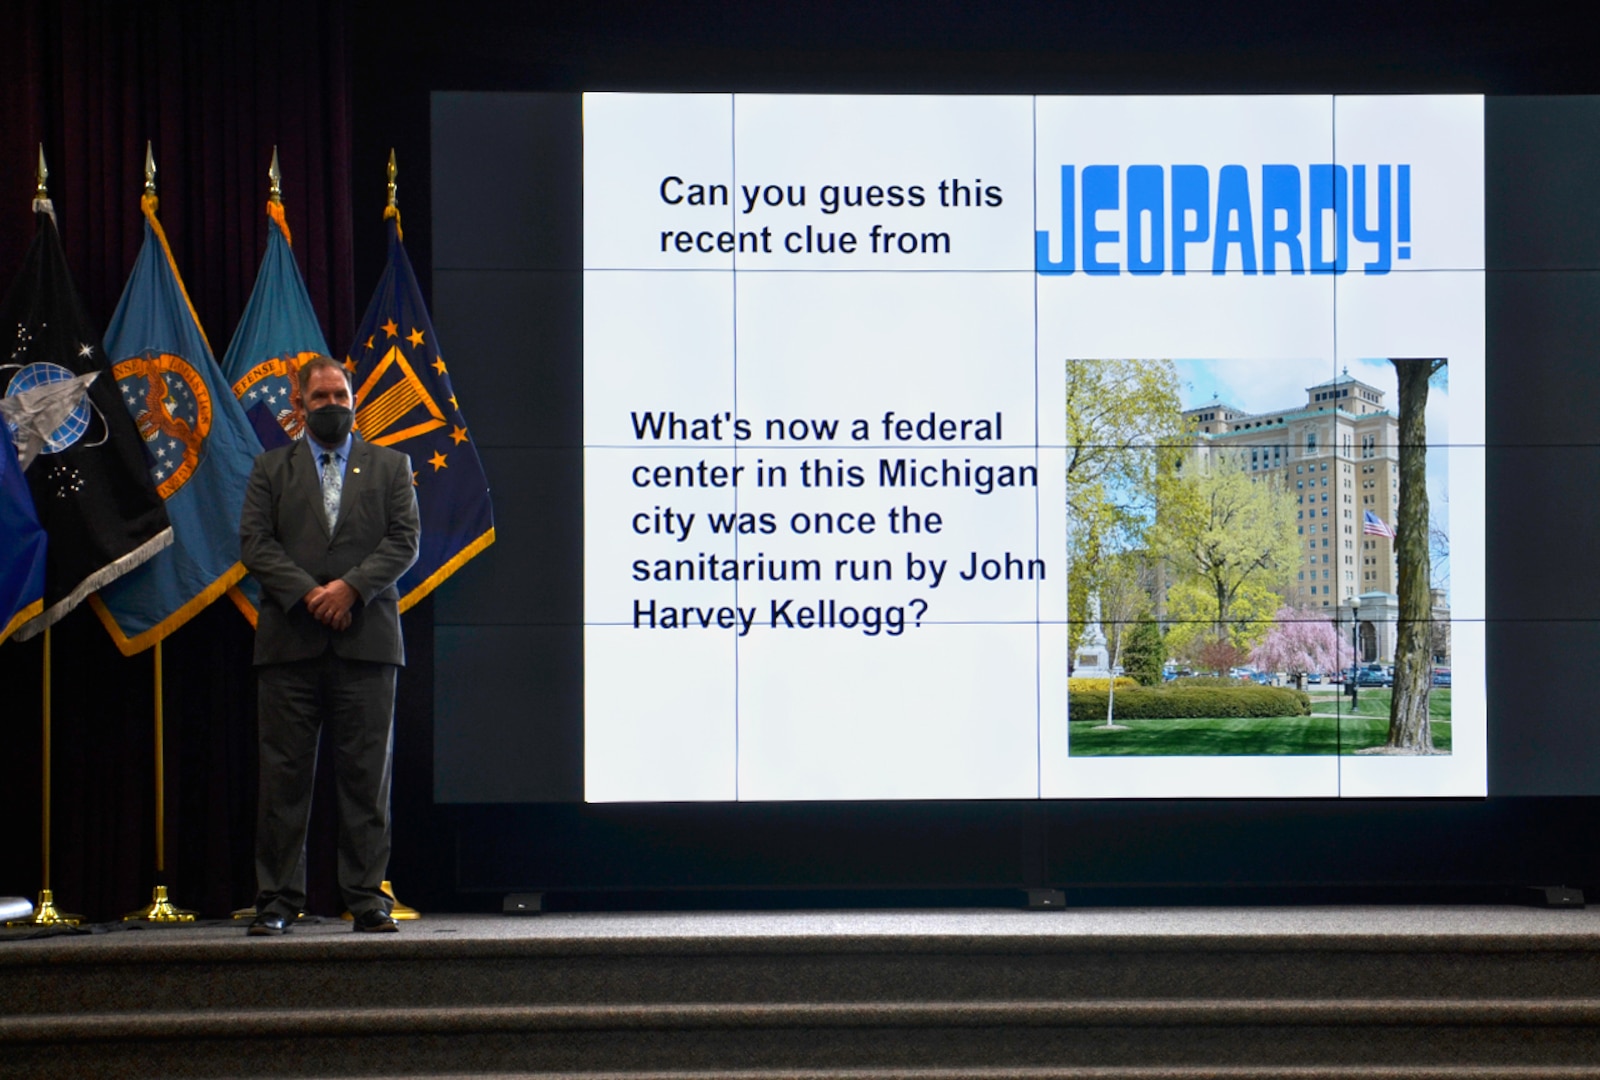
(22, 545)
(404, 400)
(200, 447)
(277, 333)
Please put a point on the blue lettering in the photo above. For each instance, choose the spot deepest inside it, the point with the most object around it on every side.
(1233, 220)
(1336, 213)
(1358, 219)
(1099, 193)
(1042, 261)
(1328, 194)
(1280, 191)
(1191, 194)
(1144, 198)
(1405, 212)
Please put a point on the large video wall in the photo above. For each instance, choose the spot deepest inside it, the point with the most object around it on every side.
(907, 421)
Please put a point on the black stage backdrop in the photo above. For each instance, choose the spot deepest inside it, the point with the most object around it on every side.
(214, 86)
(334, 85)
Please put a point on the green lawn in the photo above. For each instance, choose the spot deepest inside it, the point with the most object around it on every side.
(1375, 702)
(1289, 735)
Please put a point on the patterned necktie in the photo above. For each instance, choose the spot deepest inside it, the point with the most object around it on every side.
(331, 484)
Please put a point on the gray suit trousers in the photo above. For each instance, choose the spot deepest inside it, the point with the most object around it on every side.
(355, 698)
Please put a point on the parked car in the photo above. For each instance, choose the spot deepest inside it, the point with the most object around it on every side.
(1313, 678)
(1374, 675)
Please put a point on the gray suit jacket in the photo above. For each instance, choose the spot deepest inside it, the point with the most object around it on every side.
(286, 544)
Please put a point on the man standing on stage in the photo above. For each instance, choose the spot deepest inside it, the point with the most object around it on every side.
(329, 525)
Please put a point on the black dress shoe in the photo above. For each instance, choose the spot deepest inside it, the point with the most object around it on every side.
(268, 924)
(376, 921)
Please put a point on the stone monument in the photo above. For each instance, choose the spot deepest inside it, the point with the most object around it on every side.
(1092, 661)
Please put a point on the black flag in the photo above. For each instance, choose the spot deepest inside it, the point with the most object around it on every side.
(81, 452)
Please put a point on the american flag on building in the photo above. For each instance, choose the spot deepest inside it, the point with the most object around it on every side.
(1373, 525)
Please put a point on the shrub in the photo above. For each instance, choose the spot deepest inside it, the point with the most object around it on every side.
(1190, 703)
(1100, 686)
(1145, 653)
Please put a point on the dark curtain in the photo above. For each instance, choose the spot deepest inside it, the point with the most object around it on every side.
(214, 86)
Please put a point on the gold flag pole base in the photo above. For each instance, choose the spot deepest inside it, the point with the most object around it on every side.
(45, 913)
(399, 912)
(159, 910)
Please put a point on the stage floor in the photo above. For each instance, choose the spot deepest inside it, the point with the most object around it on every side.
(1416, 926)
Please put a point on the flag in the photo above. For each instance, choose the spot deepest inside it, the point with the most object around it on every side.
(200, 449)
(22, 546)
(77, 446)
(1373, 525)
(277, 334)
(404, 400)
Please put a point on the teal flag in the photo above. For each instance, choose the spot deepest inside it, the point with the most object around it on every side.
(22, 545)
(277, 334)
(404, 399)
(200, 447)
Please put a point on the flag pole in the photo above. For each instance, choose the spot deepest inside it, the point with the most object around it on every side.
(45, 913)
(398, 910)
(160, 909)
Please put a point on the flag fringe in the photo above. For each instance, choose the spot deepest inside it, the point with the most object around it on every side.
(275, 212)
(435, 579)
(166, 627)
(102, 577)
(242, 602)
(20, 619)
(148, 203)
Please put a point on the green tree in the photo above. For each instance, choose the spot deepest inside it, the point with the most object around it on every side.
(1145, 654)
(1409, 728)
(1230, 532)
(1117, 412)
(1192, 615)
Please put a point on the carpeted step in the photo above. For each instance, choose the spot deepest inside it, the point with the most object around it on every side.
(603, 996)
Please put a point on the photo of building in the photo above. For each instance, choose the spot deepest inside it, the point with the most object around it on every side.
(1337, 451)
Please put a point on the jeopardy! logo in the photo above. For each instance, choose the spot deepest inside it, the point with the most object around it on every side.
(1283, 219)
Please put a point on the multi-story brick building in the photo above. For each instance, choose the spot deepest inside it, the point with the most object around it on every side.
(1337, 453)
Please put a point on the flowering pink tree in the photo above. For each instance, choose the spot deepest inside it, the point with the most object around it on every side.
(1300, 642)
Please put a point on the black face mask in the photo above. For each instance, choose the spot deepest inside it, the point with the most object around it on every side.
(331, 423)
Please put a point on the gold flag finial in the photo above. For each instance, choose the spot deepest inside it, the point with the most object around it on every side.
(149, 169)
(275, 177)
(42, 191)
(393, 202)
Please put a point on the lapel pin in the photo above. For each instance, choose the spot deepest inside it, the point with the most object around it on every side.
(356, 469)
